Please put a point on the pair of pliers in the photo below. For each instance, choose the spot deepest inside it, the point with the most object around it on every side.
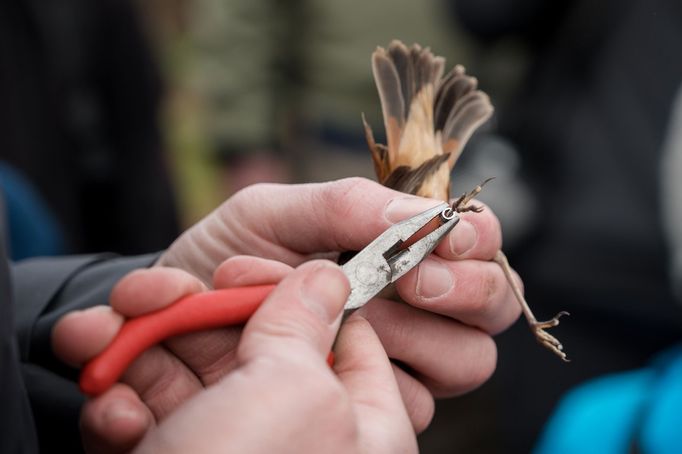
(387, 258)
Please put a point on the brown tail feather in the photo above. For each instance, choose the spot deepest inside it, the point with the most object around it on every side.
(409, 80)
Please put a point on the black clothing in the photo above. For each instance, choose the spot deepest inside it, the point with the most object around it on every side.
(590, 125)
(40, 399)
(17, 432)
(79, 96)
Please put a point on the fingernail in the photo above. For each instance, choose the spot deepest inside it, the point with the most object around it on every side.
(433, 279)
(463, 237)
(324, 291)
(120, 409)
(401, 208)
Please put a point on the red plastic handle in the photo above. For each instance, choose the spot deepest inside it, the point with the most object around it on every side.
(206, 310)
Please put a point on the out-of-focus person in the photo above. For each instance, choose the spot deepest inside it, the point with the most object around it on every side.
(78, 119)
(590, 123)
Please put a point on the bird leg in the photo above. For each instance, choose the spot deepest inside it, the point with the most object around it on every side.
(537, 328)
(550, 342)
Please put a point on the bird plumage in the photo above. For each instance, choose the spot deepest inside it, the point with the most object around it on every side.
(428, 118)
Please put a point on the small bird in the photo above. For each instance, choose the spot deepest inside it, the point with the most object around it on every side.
(429, 119)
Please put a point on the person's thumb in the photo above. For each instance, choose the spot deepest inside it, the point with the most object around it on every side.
(300, 317)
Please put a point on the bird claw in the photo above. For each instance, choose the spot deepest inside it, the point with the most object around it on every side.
(461, 205)
(547, 340)
(463, 209)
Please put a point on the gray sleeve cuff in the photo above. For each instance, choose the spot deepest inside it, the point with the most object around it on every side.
(47, 288)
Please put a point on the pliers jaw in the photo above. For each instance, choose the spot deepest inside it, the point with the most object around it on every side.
(386, 259)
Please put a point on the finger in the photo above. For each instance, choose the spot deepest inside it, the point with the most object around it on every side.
(328, 215)
(80, 335)
(147, 290)
(244, 270)
(211, 354)
(417, 399)
(335, 216)
(364, 369)
(449, 358)
(476, 236)
(115, 421)
(299, 317)
(161, 380)
(471, 291)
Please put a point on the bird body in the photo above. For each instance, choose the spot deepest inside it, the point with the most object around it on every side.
(429, 119)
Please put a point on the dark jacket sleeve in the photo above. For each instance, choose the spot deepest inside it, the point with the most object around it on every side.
(17, 432)
(45, 289)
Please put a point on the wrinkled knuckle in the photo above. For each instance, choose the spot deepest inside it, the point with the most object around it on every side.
(160, 392)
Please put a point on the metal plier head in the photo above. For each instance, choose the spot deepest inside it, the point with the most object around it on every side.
(387, 258)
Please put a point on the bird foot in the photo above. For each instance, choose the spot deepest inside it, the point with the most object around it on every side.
(537, 328)
(547, 340)
(461, 205)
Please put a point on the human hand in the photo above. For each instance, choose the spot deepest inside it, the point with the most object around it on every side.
(444, 339)
(280, 385)
(457, 299)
